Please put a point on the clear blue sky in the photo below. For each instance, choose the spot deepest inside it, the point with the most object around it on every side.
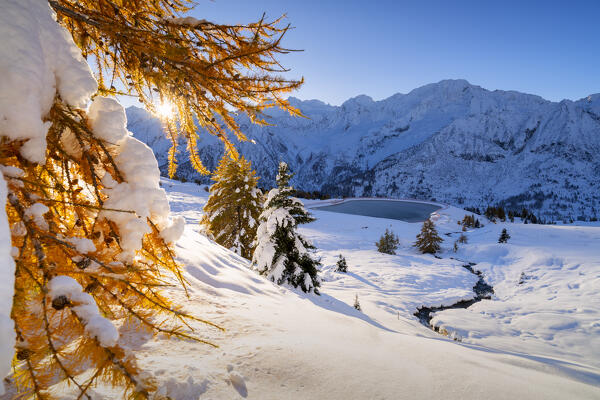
(381, 47)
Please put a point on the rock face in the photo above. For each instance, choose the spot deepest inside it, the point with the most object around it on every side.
(450, 141)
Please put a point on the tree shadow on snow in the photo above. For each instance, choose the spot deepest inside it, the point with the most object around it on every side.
(572, 370)
(363, 280)
(563, 368)
(332, 304)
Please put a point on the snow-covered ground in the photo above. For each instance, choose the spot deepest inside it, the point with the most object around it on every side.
(538, 339)
(547, 284)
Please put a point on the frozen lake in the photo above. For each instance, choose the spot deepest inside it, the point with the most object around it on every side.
(407, 211)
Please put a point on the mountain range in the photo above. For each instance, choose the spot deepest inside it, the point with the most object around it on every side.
(450, 141)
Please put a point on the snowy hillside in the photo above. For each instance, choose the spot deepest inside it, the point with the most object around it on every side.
(452, 141)
(535, 339)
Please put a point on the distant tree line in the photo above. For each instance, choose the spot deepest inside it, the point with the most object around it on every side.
(494, 213)
(311, 195)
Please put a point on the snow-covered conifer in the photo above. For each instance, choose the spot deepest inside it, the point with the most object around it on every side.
(428, 240)
(281, 253)
(341, 264)
(234, 205)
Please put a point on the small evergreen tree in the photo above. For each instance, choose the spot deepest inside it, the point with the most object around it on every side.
(490, 213)
(469, 221)
(501, 213)
(357, 304)
(504, 236)
(462, 239)
(282, 254)
(233, 207)
(388, 243)
(342, 266)
(428, 240)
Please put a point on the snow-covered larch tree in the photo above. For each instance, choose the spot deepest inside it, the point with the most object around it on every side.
(281, 253)
(234, 205)
(85, 231)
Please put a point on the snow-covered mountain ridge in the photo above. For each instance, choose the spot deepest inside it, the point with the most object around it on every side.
(451, 141)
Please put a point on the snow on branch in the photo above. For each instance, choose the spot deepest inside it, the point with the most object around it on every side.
(64, 290)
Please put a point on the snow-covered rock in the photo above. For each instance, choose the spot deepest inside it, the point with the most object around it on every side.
(452, 141)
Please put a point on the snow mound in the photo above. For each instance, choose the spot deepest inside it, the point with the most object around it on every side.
(37, 59)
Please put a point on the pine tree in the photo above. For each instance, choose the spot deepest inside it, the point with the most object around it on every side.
(233, 207)
(469, 221)
(89, 223)
(341, 264)
(388, 243)
(428, 240)
(501, 214)
(281, 253)
(504, 236)
(357, 304)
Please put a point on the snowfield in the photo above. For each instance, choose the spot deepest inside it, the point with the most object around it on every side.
(282, 343)
(538, 339)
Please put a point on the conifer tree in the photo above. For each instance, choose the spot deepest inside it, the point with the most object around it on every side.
(388, 243)
(341, 264)
(357, 303)
(511, 216)
(428, 240)
(233, 207)
(469, 221)
(501, 213)
(504, 236)
(89, 224)
(281, 253)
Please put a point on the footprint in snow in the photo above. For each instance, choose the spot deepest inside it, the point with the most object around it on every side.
(237, 381)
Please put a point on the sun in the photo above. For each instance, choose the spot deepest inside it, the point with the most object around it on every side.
(165, 109)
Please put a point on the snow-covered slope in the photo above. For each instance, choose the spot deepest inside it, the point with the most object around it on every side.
(284, 344)
(452, 141)
(281, 343)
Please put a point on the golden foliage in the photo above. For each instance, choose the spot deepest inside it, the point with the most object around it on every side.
(234, 205)
(52, 342)
(204, 69)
